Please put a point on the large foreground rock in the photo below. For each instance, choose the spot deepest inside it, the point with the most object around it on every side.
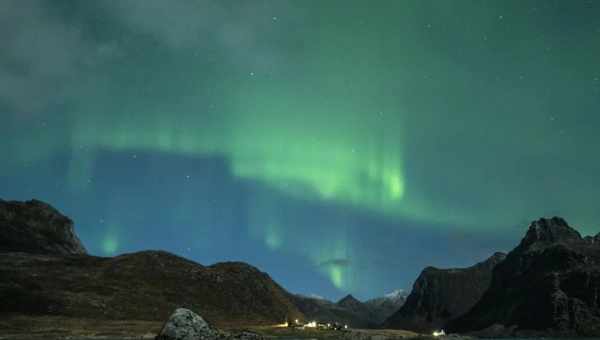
(36, 227)
(548, 285)
(439, 295)
(184, 324)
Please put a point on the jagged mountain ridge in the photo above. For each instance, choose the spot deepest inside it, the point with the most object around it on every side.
(548, 285)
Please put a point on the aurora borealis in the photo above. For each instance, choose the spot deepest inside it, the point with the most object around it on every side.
(341, 146)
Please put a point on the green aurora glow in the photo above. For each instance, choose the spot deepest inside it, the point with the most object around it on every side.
(403, 111)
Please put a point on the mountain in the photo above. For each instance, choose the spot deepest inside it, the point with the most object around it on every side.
(44, 271)
(383, 307)
(439, 295)
(349, 310)
(325, 311)
(548, 285)
(349, 302)
(36, 227)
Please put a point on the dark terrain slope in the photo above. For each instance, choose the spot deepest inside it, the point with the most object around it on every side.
(548, 285)
(439, 295)
(46, 272)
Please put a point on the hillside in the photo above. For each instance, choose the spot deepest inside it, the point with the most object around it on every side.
(52, 276)
(439, 295)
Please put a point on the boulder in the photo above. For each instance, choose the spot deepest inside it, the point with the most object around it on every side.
(184, 324)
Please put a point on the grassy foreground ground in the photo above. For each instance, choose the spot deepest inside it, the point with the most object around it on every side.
(59, 327)
(19, 327)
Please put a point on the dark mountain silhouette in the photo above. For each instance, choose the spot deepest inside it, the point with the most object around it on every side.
(325, 311)
(439, 295)
(351, 303)
(36, 227)
(548, 285)
(349, 310)
(45, 271)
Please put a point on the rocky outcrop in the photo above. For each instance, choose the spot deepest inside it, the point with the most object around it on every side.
(548, 285)
(439, 295)
(36, 227)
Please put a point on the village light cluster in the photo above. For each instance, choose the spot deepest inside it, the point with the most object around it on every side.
(314, 324)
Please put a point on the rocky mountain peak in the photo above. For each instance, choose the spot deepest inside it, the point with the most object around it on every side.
(36, 227)
(348, 301)
(550, 230)
(547, 285)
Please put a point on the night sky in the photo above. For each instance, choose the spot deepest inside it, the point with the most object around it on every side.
(340, 146)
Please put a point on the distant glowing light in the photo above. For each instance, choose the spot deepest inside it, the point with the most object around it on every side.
(312, 324)
(439, 333)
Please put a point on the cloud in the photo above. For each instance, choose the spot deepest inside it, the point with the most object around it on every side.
(47, 52)
(40, 54)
